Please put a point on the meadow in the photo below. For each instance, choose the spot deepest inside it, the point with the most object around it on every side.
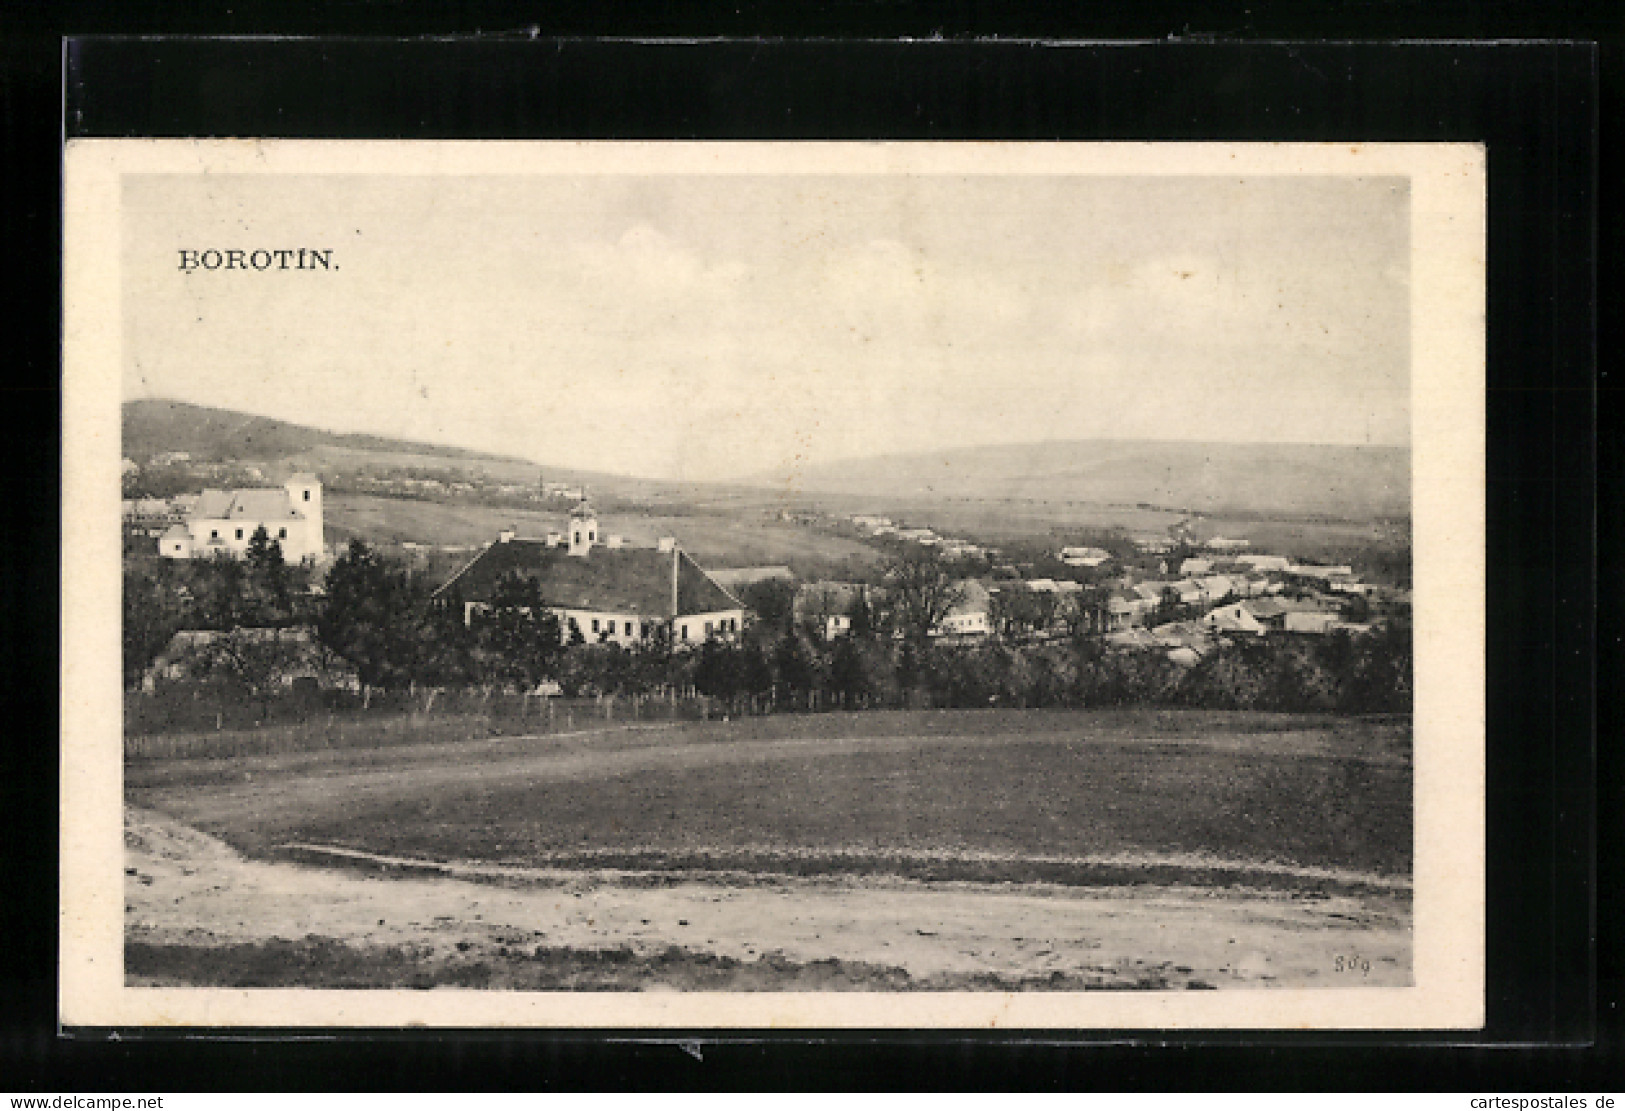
(992, 796)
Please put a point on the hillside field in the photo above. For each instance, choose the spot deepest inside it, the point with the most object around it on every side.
(714, 541)
(1347, 482)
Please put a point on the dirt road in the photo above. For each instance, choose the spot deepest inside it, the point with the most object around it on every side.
(198, 912)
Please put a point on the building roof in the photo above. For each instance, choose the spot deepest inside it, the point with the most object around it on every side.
(973, 598)
(609, 580)
(1234, 618)
(255, 504)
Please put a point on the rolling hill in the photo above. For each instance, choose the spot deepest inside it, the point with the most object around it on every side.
(1345, 482)
(154, 425)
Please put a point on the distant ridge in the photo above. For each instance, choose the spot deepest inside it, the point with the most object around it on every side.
(1343, 481)
(155, 425)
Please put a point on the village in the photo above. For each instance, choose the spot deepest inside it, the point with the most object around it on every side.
(1172, 595)
(309, 708)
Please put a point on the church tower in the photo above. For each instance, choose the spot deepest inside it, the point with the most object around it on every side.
(583, 530)
(305, 495)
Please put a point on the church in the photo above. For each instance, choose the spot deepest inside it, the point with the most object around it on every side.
(606, 590)
(224, 521)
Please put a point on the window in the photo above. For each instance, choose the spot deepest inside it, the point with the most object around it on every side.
(281, 534)
(595, 624)
(239, 534)
(214, 534)
(307, 495)
(578, 538)
(629, 628)
(685, 630)
(708, 628)
(591, 536)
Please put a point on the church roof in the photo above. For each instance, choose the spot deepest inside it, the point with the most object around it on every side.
(608, 580)
(267, 504)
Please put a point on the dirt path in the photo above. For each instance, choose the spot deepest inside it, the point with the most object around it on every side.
(185, 889)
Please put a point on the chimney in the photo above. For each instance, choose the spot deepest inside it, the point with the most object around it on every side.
(505, 535)
(667, 543)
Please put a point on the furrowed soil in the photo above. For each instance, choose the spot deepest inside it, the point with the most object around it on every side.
(933, 851)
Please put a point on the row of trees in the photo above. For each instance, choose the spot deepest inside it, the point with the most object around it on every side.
(374, 618)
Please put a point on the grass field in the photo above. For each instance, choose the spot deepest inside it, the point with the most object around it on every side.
(715, 541)
(1058, 796)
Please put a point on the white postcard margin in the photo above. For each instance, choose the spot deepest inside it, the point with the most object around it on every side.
(1447, 412)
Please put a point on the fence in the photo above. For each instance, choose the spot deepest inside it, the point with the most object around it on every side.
(206, 722)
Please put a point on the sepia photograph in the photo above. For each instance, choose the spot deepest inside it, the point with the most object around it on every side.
(947, 584)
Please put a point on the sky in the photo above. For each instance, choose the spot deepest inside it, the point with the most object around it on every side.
(696, 327)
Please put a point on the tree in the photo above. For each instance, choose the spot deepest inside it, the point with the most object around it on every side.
(793, 668)
(820, 606)
(219, 591)
(862, 618)
(848, 678)
(517, 635)
(267, 596)
(374, 616)
(258, 659)
(922, 594)
(773, 603)
(1085, 611)
(153, 614)
(1380, 677)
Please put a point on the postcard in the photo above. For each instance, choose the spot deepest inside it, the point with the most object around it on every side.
(727, 586)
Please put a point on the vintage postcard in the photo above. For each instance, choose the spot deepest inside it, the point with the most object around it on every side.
(744, 585)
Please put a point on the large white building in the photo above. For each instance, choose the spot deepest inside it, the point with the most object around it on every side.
(224, 521)
(607, 591)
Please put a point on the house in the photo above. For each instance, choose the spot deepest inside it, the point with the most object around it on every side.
(1234, 618)
(830, 604)
(1217, 587)
(1190, 639)
(1195, 568)
(618, 595)
(1126, 609)
(1190, 592)
(1309, 622)
(1132, 638)
(1265, 562)
(972, 614)
(224, 521)
(871, 522)
(1319, 573)
(1151, 592)
(1221, 544)
(186, 657)
(1084, 557)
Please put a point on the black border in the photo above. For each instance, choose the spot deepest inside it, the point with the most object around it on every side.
(1536, 105)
